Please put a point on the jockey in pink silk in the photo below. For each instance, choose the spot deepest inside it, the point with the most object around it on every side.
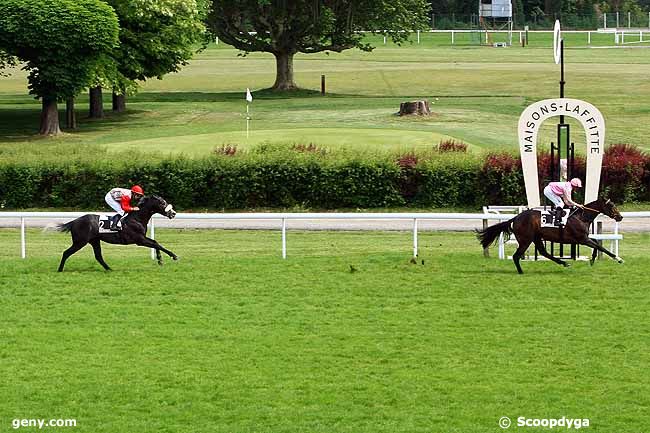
(559, 193)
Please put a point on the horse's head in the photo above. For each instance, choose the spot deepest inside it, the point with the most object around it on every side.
(159, 205)
(607, 207)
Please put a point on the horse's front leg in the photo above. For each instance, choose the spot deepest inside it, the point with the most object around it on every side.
(593, 244)
(151, 243)
(593, 256)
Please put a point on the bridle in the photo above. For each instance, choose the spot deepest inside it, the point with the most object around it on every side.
(591, 209)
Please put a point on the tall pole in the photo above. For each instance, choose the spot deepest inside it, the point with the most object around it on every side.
(562, 82)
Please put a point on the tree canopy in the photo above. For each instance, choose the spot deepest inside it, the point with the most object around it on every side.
(60, 42)
(157, 36)
(287, 27)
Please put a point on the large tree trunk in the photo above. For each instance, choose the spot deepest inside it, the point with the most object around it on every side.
(70, 118)
(96, 103)
(284, 74)
(119, 102)
(50, 117)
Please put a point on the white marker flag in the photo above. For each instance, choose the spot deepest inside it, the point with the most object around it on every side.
(249, 97)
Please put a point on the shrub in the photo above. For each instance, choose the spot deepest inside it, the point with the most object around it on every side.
(452, 146)
(502, 179)
(225, 150)
(624, 172)
(281, 177)
(310, 148)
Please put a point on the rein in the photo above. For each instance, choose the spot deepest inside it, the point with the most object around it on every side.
(591, 209)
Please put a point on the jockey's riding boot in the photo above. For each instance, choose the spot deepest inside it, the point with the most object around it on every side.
(114, 220)
(559, 212)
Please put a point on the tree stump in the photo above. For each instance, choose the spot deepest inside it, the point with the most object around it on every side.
(419, 108)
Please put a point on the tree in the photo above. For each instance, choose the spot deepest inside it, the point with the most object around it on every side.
(6, 61)
(156, 37)
(287, 27)
(60, 41)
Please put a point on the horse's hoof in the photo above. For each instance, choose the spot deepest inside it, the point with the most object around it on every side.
(160, 263)
(620, 260)
(591, 262)
(566, 265)
(176, 258)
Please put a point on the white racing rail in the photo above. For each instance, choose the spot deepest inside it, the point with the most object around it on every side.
(284, 217)
(281, 217)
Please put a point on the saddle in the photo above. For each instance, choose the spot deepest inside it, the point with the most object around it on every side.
(548, 217)
(105, 224)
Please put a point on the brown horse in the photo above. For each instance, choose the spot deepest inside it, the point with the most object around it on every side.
(527, 228)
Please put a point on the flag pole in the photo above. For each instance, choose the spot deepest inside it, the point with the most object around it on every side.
(249, 99)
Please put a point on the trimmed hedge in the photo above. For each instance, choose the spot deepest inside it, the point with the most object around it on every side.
(282, 179)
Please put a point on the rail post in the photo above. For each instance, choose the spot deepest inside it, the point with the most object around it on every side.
(415, 237)
(23, 249)
(284, 238)
(599, 230)
(152, 234)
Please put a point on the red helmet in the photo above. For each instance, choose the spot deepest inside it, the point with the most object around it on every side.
(137, 189)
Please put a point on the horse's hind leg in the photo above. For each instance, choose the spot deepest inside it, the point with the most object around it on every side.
(542, 250)
(70, 251)
(97, 249)
(521, 250)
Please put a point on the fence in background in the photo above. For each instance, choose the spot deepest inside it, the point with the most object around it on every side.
(282, 218)
(608, 36)
(629, 19)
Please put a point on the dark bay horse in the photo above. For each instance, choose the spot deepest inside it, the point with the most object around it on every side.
(527, 228)
(85, 230)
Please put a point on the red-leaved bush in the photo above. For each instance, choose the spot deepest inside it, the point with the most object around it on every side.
(408, 160)
(225, 150)
(452, 146)
(624, 172)
(502, 179)
(409, 180)
(310, 148)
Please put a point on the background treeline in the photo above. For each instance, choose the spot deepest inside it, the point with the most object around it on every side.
(309, 177)
(547, 7)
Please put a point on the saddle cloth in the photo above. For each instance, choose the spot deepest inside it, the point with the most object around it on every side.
(105, 224)
(548, 215)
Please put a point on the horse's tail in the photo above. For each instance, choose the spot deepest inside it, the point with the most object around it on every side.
(50, 227)
(489, 235)
(64, 227)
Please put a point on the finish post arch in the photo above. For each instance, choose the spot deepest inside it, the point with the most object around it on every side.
(593, 123)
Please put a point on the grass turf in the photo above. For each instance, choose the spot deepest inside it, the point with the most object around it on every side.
(234, 339)
(478, 95)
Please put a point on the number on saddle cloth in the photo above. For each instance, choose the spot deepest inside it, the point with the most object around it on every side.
(105, 224)
(548, 217)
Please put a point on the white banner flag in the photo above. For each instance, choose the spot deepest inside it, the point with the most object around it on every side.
(249, 97)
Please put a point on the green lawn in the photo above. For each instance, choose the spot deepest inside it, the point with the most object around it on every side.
(478, 94)
(233, 339)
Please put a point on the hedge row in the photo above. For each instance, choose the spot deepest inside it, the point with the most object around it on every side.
(314, 181)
